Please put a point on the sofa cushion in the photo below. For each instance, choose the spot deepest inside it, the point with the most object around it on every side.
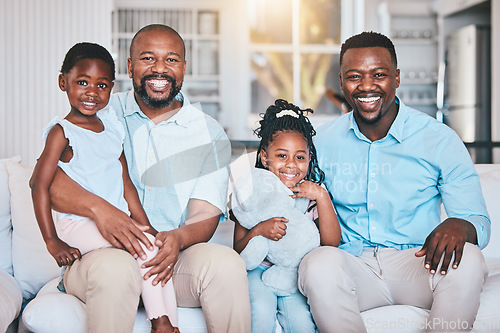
(55, 312)
(395, 318)
(5, 223)
(32, 263)
(488, 315)
(10, 300)
(52, 312)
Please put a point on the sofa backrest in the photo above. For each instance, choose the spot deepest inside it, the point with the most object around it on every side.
(32, 264)
(5, 220)
(489, 174)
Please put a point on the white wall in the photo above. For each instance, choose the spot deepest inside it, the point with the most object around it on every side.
(35, 36)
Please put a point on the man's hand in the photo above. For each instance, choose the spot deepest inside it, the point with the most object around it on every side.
(164, 261)
(121, 231)
(200, 225)
(447, 239)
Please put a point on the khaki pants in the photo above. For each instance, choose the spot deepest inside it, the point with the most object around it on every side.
(209, 275)
(339, 286)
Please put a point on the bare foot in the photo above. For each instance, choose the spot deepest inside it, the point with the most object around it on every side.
(163, 325)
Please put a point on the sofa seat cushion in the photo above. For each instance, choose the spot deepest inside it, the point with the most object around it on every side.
(55, 312)
(11, 299)
(488, 315)
(395, 318)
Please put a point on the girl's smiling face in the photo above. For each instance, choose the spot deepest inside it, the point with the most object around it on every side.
(287, 156)
(88, 86)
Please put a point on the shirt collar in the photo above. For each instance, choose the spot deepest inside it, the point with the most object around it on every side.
(397, 128)
(182, 117)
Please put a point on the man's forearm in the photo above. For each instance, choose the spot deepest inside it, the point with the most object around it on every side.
(67, 196)
(115, 226)
(196, 232)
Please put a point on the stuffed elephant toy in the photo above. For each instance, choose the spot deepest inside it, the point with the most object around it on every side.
(259, 196)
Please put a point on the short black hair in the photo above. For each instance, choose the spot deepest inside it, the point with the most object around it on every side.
(156, 27)
(369, 39)
(85, 50)
(294, 120)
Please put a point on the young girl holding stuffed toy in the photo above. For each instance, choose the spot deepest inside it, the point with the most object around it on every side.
(287, 150)
(87, 146)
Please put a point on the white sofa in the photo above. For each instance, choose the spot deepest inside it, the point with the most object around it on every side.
(27, 270)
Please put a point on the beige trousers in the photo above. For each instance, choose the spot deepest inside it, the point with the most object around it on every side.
(209, 275)
(339, 286)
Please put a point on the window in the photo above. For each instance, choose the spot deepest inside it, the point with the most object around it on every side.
(294, 48)
(242, 55)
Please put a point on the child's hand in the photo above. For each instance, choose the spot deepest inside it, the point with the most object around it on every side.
(309, 190)
(146, 228)
(273, 229)
(62, 252)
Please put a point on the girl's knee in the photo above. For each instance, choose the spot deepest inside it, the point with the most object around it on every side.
(150, 254)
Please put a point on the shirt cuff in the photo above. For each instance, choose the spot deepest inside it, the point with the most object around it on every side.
(483, 229)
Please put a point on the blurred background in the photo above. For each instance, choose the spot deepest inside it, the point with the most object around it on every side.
(244, 54)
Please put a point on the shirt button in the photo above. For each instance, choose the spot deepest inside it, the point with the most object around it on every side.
(149, 188)
(374, 228)
(371, 205)
(374, 145)
(372, 175)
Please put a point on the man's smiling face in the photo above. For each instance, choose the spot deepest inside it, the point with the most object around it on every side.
(157, 66)
(369, 78)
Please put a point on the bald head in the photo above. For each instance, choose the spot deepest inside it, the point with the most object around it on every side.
(155, 28)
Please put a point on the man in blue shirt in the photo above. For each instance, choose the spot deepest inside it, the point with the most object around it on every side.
(178, 160)
(389, 168)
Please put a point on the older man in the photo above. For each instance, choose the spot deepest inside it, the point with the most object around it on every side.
(178, 160)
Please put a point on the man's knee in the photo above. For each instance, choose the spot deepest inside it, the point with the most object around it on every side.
(232, 259)
(471, 265)
(214, 258)
(227, 266)
(114, 271)
(473, 257)
(318, 262)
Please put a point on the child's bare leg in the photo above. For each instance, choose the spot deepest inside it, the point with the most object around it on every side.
(166, 323)
(170, 302)
(159, 302)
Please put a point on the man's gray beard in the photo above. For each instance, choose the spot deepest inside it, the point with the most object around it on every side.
(154, 103)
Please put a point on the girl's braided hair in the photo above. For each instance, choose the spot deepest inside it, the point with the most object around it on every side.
(287, 117)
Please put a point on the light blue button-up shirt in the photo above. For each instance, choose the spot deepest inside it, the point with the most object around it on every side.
(184, 157)
(389, 192)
